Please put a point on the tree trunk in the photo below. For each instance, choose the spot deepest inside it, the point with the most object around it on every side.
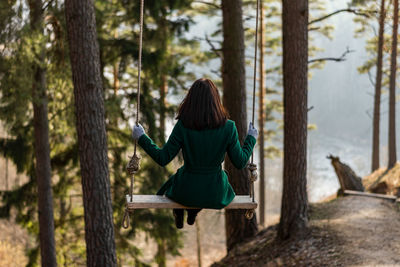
(92, 139)
(392, 90)
(378, 86)
(198, 242)
(160, 256)
(42, 146)
(294, 208)
(163, 107)
(7, 186)
(261, 119)
(238, 228)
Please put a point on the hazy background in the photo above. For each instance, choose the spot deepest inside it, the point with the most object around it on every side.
(342, 102)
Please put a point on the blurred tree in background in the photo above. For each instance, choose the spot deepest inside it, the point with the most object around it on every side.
(171, 62)
(164, 69)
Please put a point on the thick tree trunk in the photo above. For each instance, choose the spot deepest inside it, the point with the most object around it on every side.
(42, 146)
(92, 139)
(294, 208)
(238, 228)
(378, 86)
(261, 118)
(392, 90)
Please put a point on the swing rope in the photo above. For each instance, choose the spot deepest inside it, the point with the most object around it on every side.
(253, 167)
(255, 68)
(134, 163)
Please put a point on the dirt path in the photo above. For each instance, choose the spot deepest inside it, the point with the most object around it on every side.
(347, 231)
(369, 227)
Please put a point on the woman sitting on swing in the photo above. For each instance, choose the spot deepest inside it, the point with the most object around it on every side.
(204, 134)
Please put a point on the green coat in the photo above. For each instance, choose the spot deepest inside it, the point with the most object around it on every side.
(200, 182)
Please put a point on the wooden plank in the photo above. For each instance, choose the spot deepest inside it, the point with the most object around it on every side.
(366, 194)
(162, 202)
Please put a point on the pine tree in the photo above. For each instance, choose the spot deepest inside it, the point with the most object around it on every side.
(294, 208)
(378, 88)
(392, 88)
(261, 118)
(92, 139)
(41, 143)
(237, 227)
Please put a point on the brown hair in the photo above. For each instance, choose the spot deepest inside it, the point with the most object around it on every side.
(202, 107)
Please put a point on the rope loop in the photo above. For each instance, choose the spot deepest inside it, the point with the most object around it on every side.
(249, 214)
(125, 219)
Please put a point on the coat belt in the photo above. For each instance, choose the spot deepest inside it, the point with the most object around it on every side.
(202, 170)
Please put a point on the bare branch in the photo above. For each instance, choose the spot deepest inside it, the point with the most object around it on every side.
(370, 78)
(366, 13)
(213, 48)
(47, 5)
(337, 59)
(207, 3)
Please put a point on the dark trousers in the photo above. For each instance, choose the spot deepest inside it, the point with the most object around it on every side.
(191, 212)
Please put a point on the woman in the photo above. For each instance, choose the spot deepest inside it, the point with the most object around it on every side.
(204, 134)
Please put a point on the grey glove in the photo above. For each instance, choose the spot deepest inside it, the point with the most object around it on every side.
(252, 131)
(137, 131)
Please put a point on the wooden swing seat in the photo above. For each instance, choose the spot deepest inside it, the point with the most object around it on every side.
(162, 202)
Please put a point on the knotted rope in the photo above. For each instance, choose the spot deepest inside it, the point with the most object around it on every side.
(134, 163)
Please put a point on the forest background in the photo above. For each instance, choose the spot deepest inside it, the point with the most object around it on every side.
(181, 43)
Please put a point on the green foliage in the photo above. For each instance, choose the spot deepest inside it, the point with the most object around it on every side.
(370, 27)
(167, 56)
(165, 52)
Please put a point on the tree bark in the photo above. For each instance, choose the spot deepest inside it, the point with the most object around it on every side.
(392, 89)
(92, 139)
(238, 228)
(198, 242)
(261, 119)
(42, 146)
(294, 208)
(163, 106)
(378, 86)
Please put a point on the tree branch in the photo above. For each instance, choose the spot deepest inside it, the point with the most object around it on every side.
(47, 5)
(358, 12)
(213, 48)
(207, 3)
(337, 59)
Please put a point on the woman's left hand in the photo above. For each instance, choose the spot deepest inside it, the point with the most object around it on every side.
(252, 131)
(137, 131)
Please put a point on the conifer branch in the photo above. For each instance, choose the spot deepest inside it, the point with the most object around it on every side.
(337, 59)
(358, 12)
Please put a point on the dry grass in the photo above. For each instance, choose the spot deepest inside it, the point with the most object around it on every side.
(11, 255)
(391, 177)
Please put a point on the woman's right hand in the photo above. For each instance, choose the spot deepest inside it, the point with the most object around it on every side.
(252, 131)
(137, 131)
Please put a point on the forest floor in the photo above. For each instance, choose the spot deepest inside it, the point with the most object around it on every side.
(13, 240)
(347, 231)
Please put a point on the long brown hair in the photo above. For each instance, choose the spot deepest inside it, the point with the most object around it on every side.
(202, 107)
